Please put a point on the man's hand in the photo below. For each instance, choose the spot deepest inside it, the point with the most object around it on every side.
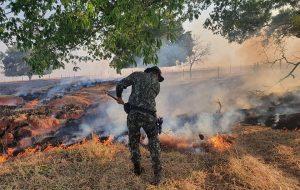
(120, 100)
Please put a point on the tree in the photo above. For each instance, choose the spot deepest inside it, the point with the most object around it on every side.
(122, 29)
(240, 20)
(282, 58)
(179, 50)
(170, 52)
(14, 63)
(200, 51)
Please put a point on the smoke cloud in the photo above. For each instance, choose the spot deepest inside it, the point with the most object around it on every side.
(192, 106)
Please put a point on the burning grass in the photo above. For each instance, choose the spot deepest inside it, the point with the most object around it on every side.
(248, 164)
(221, 142)
(31, 104)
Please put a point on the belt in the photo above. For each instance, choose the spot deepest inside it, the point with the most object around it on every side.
(128, 107)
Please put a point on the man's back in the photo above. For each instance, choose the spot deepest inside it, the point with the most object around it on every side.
(141, 114)
(145, 87)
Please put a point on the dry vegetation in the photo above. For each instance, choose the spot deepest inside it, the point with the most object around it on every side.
(260, 158)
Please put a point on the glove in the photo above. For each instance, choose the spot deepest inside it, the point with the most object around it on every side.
(127, 108)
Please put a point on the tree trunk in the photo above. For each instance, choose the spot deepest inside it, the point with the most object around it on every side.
(29, 77)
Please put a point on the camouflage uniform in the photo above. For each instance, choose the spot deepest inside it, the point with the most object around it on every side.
(145, 87)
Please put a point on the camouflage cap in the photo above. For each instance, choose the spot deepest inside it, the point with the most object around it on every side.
(156, 70)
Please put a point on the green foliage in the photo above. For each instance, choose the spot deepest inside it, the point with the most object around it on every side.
(296, 25)
(15, 63)
(239, 20)
(121, 29)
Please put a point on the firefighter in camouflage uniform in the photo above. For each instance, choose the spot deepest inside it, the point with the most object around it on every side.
(141, 109)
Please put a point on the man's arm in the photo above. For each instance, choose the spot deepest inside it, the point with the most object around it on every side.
(157, 89)
(123, 84)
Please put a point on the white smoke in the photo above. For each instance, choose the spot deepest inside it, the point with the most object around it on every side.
(70, 84)
(190, 106)
(193, 100)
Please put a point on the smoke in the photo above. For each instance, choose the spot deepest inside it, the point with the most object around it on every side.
(169, 53)
(70, 85)
(47, 90)
(188, 108)
(192, 106)
(106, 119)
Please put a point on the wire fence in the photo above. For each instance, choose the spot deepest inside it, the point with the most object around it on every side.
(215, 72)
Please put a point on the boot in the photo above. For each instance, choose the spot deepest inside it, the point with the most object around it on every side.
(138, 170)
(156, 178)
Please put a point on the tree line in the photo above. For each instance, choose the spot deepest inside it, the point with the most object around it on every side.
(50, 31)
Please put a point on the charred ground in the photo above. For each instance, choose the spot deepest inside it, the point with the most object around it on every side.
(42, 145)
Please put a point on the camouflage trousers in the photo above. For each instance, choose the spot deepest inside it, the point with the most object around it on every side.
(135, 121)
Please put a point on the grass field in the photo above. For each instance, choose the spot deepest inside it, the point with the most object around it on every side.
(260, 158)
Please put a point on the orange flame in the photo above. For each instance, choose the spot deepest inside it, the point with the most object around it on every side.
(221, 142)
(106, 142)
(32, 104)
(3, 159)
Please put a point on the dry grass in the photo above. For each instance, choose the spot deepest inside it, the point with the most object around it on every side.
(255, 174)
(261, 158)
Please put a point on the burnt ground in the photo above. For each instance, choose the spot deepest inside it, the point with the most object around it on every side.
(35, 122)
(258, 157)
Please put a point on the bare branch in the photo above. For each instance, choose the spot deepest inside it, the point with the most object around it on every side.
(199, 52)
(283, 59)
(291, 73)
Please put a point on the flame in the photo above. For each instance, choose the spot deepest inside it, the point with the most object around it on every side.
(221, 142)
(32, 104)
(49, 147)
(28, 151)
(11, 152)
(108, 141)
(3, 158)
